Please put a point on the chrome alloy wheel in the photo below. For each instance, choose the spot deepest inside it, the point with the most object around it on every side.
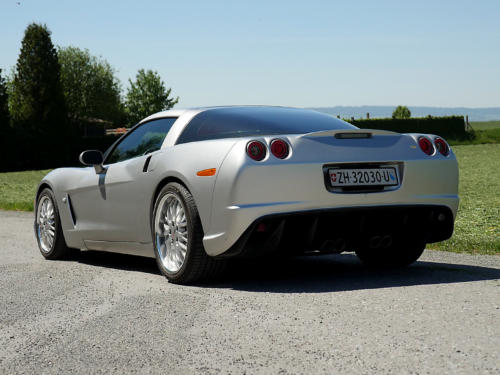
(46, 223)
(171, 232)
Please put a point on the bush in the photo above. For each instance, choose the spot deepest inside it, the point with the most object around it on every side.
(451, 127)
(401, 112)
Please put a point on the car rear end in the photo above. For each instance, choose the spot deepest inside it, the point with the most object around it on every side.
(332, 191)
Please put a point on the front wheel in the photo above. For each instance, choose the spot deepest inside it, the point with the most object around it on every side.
(48, 230)
(397, 255)
(178, 235)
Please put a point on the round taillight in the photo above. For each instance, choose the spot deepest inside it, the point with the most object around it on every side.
(279, 148)
(256, 150)
(426, 145)
(442, 146)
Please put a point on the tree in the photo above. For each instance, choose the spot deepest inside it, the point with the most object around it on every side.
(147, 95)
(5, 131)
(401, 112)
(4, 105)
(37, 107)
(90, 87)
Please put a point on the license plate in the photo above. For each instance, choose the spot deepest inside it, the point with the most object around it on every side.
(363, 176)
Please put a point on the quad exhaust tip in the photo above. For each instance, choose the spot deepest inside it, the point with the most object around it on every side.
(380, 242)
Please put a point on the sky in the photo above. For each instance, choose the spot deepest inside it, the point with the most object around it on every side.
(297, 53)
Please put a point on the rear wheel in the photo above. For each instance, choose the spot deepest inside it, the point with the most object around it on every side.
(178, 235)
(397, 255)
(48, 229)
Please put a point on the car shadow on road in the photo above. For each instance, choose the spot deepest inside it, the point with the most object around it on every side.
(312, 274)
(118, 261)
(344, 272)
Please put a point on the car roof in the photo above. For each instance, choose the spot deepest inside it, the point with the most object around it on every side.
(195, 110)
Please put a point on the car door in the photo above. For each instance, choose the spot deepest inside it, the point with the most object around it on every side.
(125, 187)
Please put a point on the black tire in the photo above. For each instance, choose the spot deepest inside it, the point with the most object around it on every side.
(395, 256)
(58, 248)
(197, 264)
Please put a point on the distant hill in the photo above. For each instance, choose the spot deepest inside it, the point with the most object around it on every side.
(475, 114)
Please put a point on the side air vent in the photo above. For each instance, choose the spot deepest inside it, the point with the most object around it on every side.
(71, 211)
(146, 164)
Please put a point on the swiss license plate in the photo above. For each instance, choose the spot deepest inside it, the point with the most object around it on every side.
(363, 176)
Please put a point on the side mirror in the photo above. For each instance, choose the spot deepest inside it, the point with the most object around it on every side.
(92, 158)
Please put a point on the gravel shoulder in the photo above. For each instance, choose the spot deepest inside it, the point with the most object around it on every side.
(315, 315)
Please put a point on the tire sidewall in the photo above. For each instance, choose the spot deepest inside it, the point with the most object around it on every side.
(172, 189)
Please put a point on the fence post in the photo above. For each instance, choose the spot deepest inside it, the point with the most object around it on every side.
(367, 115)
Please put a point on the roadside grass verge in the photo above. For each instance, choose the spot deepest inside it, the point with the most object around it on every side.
(477, 228)
(17, 189)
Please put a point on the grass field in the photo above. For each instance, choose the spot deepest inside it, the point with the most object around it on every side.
(484, 125)
(477, 228)
(484, 136)
(17, 189)
(478, 223)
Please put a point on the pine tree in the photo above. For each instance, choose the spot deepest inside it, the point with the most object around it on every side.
(37, 103)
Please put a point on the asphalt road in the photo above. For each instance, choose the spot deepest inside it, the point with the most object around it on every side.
(115, 314)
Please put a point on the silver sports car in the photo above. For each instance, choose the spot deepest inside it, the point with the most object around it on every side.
(197, 186)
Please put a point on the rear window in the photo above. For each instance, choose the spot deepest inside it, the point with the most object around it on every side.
(233, 122)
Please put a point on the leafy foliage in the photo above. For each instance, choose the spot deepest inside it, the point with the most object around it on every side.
(90, 87)
(147, 95)
(4, 104)
(401, 112)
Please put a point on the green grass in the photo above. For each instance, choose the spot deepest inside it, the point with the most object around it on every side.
(477, 228)
(484, 125)
(17, 189)
(486, 136)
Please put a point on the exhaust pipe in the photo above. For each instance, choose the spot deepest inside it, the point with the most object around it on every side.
(386, 242)
(375, 242)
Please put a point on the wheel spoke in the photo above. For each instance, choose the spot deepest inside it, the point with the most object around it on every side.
(182, 237)
(172, 238)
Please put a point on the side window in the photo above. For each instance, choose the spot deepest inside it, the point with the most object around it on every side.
(142, 140)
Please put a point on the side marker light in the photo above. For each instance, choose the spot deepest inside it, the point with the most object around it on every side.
(206, 172)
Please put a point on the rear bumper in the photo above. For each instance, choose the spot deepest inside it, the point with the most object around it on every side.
(342, 229)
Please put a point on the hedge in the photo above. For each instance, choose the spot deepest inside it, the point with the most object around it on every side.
(452, 127)
(22, 152)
